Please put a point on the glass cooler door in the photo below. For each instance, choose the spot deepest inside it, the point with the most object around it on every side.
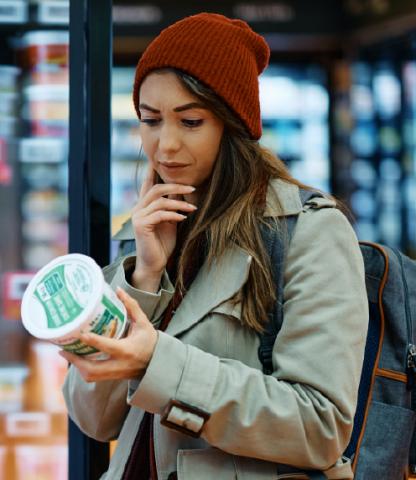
(34, 95)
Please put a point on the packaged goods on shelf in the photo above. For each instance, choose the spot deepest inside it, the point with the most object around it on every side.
(46, 462)
(35, 255)
(49, 47)
(14, 11)
(50, 369)
(48, 74)
(28, 424)
(3, 456)
(43, 150)
(12, 378)
(9, 127)
(8, 104)
(40, 230)
(8, 78)
(52, 12)
(46, 102)
(44, 204)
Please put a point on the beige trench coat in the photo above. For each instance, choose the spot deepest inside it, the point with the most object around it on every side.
(302, 414)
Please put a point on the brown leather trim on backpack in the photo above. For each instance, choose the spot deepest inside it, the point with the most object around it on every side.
(373, 376)
(391, 374)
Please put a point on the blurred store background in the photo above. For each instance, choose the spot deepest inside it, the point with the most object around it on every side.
(338, 104)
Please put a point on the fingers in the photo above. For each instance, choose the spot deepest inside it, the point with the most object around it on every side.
(90, 370)
(134, 311)
(168, 204)
(157, 218)
(163, 190)
(148, 180)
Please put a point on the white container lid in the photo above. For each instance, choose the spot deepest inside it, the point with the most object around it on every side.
(34, 315)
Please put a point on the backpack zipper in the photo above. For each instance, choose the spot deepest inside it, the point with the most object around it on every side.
(411, 348)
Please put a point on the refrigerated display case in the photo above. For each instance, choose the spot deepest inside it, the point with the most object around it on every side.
(294, 104)
(378, 140)
(33, 197)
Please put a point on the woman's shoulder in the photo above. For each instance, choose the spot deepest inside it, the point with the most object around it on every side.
(285, 199)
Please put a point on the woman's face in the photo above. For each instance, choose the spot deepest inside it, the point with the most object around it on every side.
(179, 135)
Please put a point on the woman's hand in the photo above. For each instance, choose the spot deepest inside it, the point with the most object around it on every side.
(128, 357)
(155, 218)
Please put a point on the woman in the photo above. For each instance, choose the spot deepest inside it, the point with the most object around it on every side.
(184, 392)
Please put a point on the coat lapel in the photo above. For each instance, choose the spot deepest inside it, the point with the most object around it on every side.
(216, 284)
(211, 287)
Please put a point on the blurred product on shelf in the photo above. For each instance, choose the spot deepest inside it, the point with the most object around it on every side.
(8, 78)
(13, 286)
(52, 11)
(9, 102)
(44, 204)
(28, 424)
(43, 150)
(45, 462)
(3, 458)
(14, 11)
(47, 102)
(12, 379)
(50, 369)
(125, 126)
(43, 147)
(46, 108)
(45, 48)
(295, 114)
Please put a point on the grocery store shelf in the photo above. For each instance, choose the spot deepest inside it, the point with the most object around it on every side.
(43, 13)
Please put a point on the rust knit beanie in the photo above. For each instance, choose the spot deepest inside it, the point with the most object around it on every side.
(224, 54)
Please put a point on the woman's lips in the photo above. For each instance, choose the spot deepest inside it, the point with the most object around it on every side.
(173, 166)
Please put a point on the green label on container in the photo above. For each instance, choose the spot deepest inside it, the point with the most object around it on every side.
(59, 304)
(79, 348)
(106, 323)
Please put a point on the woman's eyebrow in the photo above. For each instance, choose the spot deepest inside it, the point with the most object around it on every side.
(181, 108)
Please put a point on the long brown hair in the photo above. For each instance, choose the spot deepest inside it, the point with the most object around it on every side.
(232, 204)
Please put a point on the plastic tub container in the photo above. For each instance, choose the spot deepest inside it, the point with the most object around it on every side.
(47, 102)
(46, 47)
(69, 295)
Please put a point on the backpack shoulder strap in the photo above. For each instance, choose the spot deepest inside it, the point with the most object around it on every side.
(277, 245)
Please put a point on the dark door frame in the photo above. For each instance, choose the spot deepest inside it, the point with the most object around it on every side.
(89, 174)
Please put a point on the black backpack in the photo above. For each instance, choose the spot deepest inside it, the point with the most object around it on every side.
(381, 446)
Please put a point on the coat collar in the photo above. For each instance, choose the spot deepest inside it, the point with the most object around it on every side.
(282, 200)
(212, 286)
(216, 284)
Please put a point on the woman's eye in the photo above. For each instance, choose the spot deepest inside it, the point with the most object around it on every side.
(192, 123)
(150, 121)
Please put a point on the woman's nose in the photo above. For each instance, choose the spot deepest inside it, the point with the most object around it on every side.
(169, 139)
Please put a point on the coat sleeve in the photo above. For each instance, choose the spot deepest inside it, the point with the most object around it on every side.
(303, 413)
(99, 408)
